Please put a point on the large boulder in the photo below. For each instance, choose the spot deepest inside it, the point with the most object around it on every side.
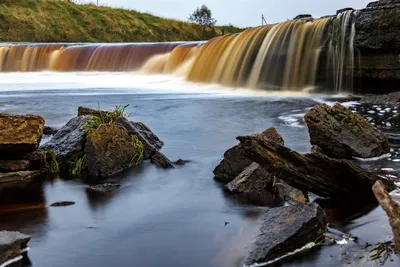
(343, 134)
(12, 245)
(286, 229)
(20, 134)
(68, 143)
(109, 150)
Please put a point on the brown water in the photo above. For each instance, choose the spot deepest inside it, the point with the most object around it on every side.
(166, 217)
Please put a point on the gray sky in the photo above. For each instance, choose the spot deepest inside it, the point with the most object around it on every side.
(238, 12)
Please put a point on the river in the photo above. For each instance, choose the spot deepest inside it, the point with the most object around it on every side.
(167, 217)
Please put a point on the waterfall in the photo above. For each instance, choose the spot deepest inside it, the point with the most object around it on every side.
(294, 55)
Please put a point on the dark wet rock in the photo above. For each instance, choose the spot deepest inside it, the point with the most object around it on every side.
(344, 10)
(20, 134)
(286, 229)
(104, 188)
(151, 143)
(82, 111)
(289, 193)
(62, 204)
(109, 150)
(18, 177)
(392, 98)
(316, 173)
(231, 165)
(37, 158)
(11, 245)
(69, 142)
(234, 162)
(377, 41)
(180, 162)
(14, 165)
(47, 130)
(161, 160)
(344, 134)
(252, 180)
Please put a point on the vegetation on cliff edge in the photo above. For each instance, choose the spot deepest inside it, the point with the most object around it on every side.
(64, 21)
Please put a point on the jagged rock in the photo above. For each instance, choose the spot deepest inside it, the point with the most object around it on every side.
(82, 111)
(109, 150)
(47, 130)
(161, 160)
(343, 134)
(286, 229)
(316, 173)
(69, 142)
(231, 165)
(151, 143)
(11, 245)
(344, 10)
(20, 134)
(252, 180)
(305, 17)
(62, 204)
(14, 165)
(391, 208)
(288, 193)
(18, 177)
(234, 162)
(103, 188)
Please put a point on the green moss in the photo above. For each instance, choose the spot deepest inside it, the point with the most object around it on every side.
(78, 166)
(65, 21)
(49, 163)
(138, 148)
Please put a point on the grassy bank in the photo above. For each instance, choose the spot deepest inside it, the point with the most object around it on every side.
(64, 21)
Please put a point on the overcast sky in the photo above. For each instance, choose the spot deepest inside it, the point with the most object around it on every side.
(238, 12)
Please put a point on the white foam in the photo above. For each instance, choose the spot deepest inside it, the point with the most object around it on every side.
(388, 169)
(342, 242)
(9, 262)
(375, 158)
(371, 112)
(306, 247)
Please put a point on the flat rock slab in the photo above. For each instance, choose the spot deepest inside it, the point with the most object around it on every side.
(14, 165)
(344, 134)
(253, 179)
(104, 188)
(286, 229)
(20, 133)
(11, 244)
(18, 177)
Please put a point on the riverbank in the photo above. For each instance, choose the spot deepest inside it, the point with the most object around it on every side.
(64, 21)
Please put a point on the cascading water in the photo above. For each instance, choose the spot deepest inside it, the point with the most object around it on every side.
(285, 56)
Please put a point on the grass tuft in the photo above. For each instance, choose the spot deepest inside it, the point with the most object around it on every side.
(138, 148)
(78, 166)
(50, 166)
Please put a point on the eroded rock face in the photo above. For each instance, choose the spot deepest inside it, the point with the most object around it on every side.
(82, 111)
(20, 134)
(286, 229)
(68, 143)
(109, 150)
(18, 177)
(343, 134)
(11, 244)
(14, 165)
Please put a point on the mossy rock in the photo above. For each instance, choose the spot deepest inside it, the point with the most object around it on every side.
(109, 151)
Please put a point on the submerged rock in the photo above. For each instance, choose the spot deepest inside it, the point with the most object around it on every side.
(109, 150)
(161, 160)
(11, 245)
(14, 165)
(103, 188)
(62, 204)
(180, 162)
(20, 134)
(286, 229)
(18, 177)
(343, 134)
